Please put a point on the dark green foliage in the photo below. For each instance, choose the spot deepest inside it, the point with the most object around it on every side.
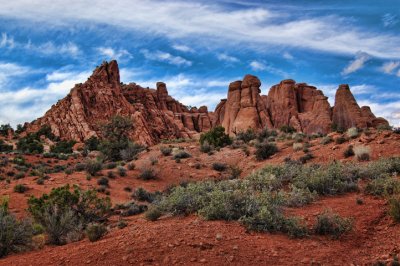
(103, 181)
(340, 140)
(166, 151)
(4, 129)
(394, 208)
(234, 172)
(385, 186)
(5, 147)
(181, 155)
(64, 210)
(15, 235)
(326, 140)
(216, 137)
(131, 151)
(63, 147)
(305, 158)
(336, 128)
(121, 171)
(110, 165)
(147, 174)
(153, 214)
(329, 223)
(133, 209)
(220, 167)
(20, 129)
(92, 167)
(80, 167)
(30, 144)
(246, 136)
(20, 188)
(92, 144)
(287, 129)
(265, 150)
(348, 152)
(95, 231)
(141, 194)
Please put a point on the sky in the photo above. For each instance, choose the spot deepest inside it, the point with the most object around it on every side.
(198, 48)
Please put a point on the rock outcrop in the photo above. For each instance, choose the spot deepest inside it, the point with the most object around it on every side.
(288, 103)
(155, 114)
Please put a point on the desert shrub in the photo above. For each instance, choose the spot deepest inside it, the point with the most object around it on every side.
(298, 197)
(122, 224)
(153, 214)
(396, 130)
(348, 152)
(63, 211)
(111, 165)
(147, 173)
(20, 188)
(131, 166)
(305, 158)
(246, 136)
(130, 153)
(40, 181)
(336, 128)
(216, 137)
(340, 140)
(141, 194)
(133, 209)
(297, 146)
(394, 208)
(352, 132)
(95, 231)
(19, 175)
(234, 172)
(5, 147)
(4, 128)
(383, 186)
(206, 147)
(329, 223)
(287, 129)
(103, 181)
(63, 147)
(326, 140)
(80, 167)
(15, 235)
(121, 171)
(92, 167)
(220, 167)
(30, 144)
(265, 150)
(181, 154)
(362, 153)
(166, 151)
(92, 143)
(384, 127)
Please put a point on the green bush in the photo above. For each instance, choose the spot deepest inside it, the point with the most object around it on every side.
(103, 181)
(340, 140)
(121, 171)
(394, 208)
(147, 174)
(20, 188)
(166, 151)
(15, 235)
(95, 231)
(265, 150)
(220, 167)
(326, 140)
(63, 147)
(92, 167)
(130, 153)
(30, 144)
(383, 186)
(5, 147)
(287, 129)
(329, 223)
(4, 129)
(133, 209)
(348, 152)
(141, 194)
(64, 211)
(205, 147)
(181, 154)
(153, 214)
(352, 132)
(216, 137)
(363, 153)
(246, 136)
(92, 143)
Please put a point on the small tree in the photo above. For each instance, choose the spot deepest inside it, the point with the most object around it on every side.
(216, 137)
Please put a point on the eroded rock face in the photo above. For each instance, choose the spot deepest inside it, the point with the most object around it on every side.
(155, 114)
(298, 105)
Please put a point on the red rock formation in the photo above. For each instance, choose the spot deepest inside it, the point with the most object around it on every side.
(155, 114)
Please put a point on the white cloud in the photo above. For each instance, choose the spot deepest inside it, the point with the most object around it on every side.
(28, 103)
(398, 73)
(111, 53)
(389, 20)
(288, 56)
(227, 58)
(10, 70)
(165, 57)
(257, 66)
(6, 42)
(389, 111)
(182, 48)
(254, 27)
(49, 48)
(358, 63)
(388, 67)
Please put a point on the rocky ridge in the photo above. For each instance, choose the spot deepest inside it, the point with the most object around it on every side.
(156, 115)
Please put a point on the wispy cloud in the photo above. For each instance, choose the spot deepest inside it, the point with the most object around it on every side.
(257, 66)
(9, 71)
(389, 67)
(262, 66)
(50, 48)
(6, 42)
(288, 56)
(389, 20)
(165, 57)
(253, 26)
(182, 48)
(110, 53)
(360, 59)
(227, 58)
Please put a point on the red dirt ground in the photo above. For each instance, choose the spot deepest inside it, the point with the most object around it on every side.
(190, 240)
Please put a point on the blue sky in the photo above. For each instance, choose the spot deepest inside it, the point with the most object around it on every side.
(198, 47)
